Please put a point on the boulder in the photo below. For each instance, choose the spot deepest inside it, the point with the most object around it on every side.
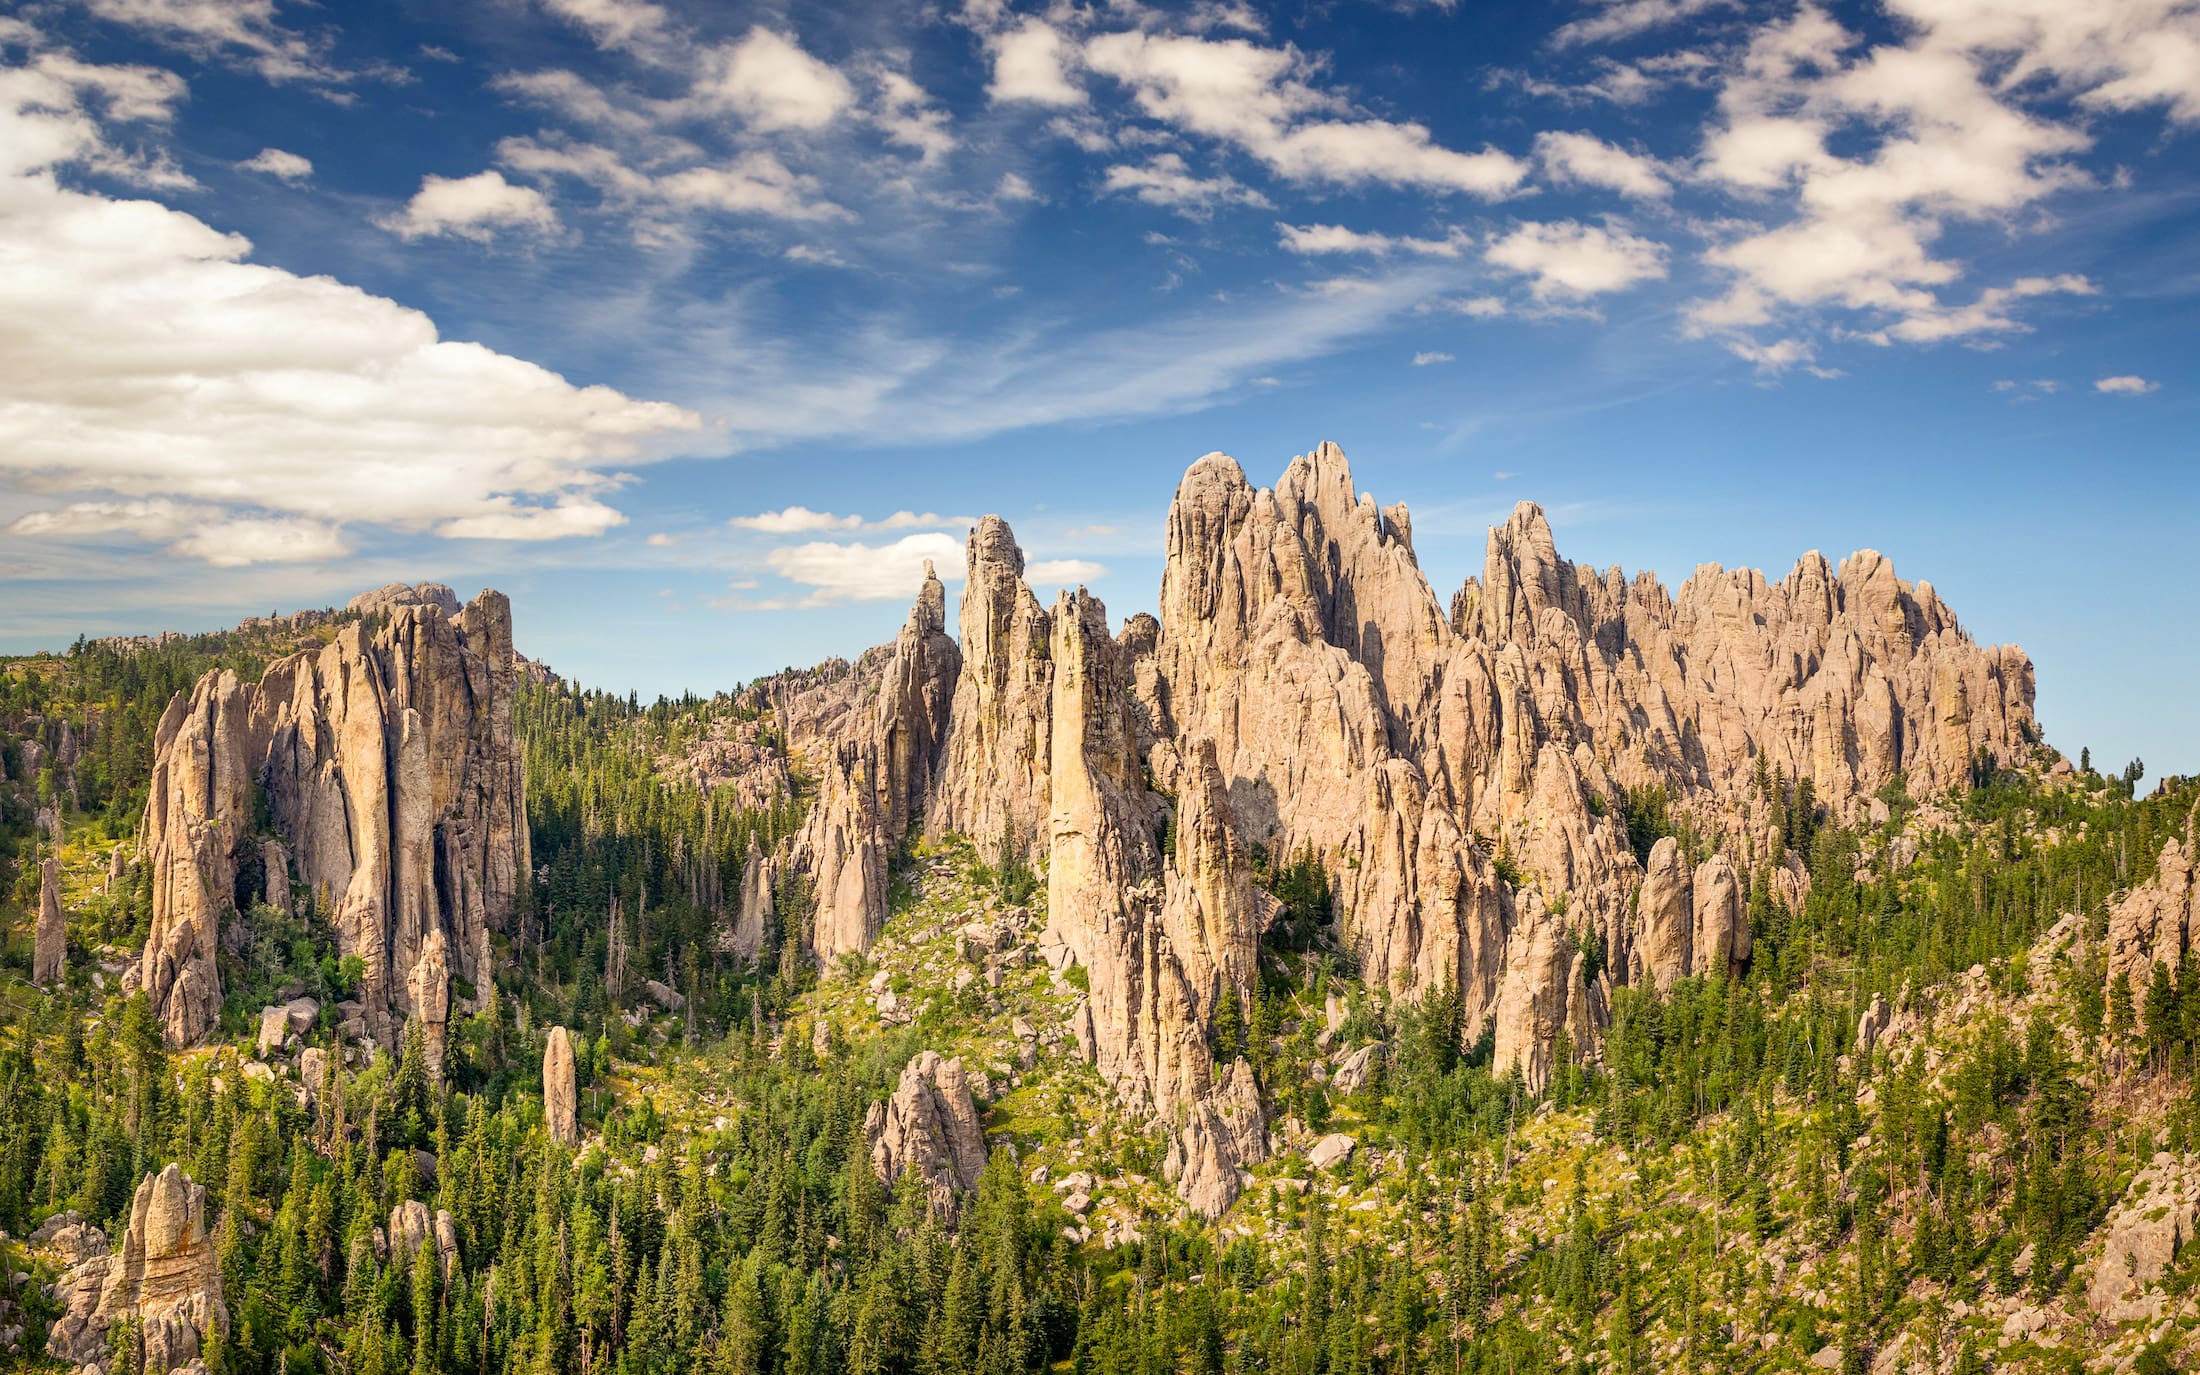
(1332, 1150)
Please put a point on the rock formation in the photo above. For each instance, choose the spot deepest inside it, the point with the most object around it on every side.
(411, 1227)
(2157, 920)
(759, 875)
(993, 781)
(560, 1089)
(930, 1127)
(874, 766)
(164, 1277)
(49, 941)
(389, 767)
(2156, 1218)
(1461, 775)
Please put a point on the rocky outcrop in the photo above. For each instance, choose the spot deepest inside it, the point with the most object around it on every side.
(390, 596)
(560, 1089)
(275, 864)
(875, 770)
(49, 939)
(2156, 1218)
(1157, 948)
(1353, 718)
(2156, 921)
(429, 983)
(929, 1128)
(753, 915)
(412, 1227)
(388, 765)
(1461, 776)
(992, 783)
(163, 1276)
(1665, 916)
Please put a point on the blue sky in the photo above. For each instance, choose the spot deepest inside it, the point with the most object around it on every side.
(696, 328)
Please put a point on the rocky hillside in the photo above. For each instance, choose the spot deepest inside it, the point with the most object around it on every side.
(1327, 974)
(1483, 790)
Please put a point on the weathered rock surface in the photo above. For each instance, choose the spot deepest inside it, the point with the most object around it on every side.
(2156, 1218)
(1461, 777)
(164, 1276)
(930, 1127)
(753, 914)
(993, 779)
(560, 1089)
(49, 940)
(875, 764)
(2157, 920)
(389, 766)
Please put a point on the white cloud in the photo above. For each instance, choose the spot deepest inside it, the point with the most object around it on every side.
(2125, 386)
(241, 29)
(1616, 19)
(801, 520)
(614, 23)
(1422, 360)
(478, 207)
(1064, 572)
(241, 541)
(1571, 260)
(1585, 160)
(907, 116)
(1031, 63)
(274, 162)
(769, 81)
(269, 410)
(1168, 182)
(1861, 156)
(1260, 100)
(858, 572)
(752, 183)
(1473, 307)
(1314, 239)
(813, 255)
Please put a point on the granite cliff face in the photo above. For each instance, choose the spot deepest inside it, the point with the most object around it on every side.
(387, 764)
(1461, 775)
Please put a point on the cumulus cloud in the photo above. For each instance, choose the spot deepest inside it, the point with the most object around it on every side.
(270, 410)
(478, 207)
(1261, 100)
(1316, 239)
(858, 572)
(1856, 157)
(1032, 64)
(1585, 160)
(274, 162)
(1423, 360)
(1168, 181)
(1566, 259)
(2125, 386)
(192, 530)
(772, 83)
